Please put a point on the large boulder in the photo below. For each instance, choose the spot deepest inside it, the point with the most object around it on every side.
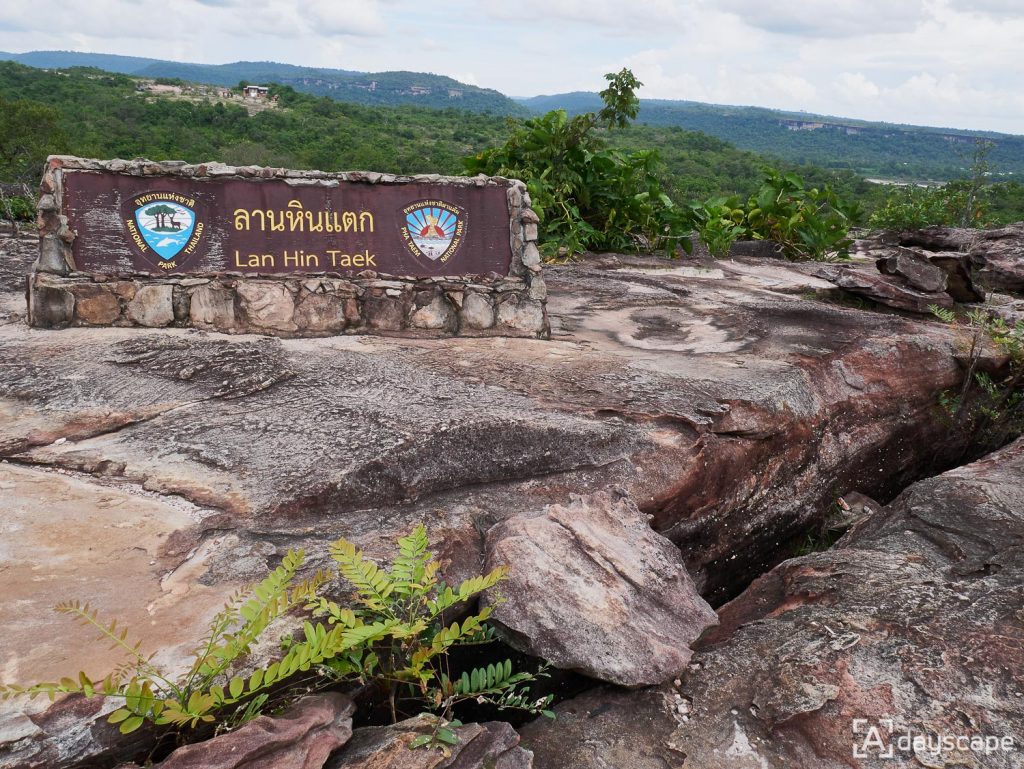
(593, 589)
(998, 254)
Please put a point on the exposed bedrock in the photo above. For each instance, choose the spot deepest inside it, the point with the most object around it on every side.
(913, 624)
(729, 402)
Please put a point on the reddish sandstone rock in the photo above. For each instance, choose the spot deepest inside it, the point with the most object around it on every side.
(492, 745)
(592, 588)
(301, 738)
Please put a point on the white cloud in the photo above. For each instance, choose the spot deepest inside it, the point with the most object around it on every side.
(941, 62)
(837, 18)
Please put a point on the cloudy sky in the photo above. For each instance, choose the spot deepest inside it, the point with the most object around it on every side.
(957, 63)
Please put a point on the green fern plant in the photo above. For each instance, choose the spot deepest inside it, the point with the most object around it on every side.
(394, 635)
(399, 615)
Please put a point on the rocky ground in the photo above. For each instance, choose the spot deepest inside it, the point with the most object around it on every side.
(684, 430)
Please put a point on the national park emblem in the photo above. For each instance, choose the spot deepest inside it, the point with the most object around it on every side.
(433, 229)
(164, 227)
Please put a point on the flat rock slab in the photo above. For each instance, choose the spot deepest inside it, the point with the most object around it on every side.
(593, 589)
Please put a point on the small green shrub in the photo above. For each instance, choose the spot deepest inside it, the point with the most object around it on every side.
(989, 407)
(808, 223)
(17, 208)
(394, 635)
(719, 222)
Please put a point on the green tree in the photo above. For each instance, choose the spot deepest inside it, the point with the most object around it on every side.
(29, 131)
(587, 195)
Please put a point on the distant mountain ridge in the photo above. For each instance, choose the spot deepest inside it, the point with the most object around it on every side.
(870, 148)
(380, 88)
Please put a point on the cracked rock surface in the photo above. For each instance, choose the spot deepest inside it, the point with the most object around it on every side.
(731, 402)
(913, 622)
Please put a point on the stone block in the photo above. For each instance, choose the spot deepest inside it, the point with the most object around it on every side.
(384, 313)
(267, 304)
(524, 315)
(477, 312)
(213, 306)
(49, 306)
(431, 310)
(320, 312)
(152, 306)
(96, 304)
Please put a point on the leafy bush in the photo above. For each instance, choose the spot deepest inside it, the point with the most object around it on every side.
(587, 195)
(394, 636)
(719, 222)
(911, 208)
(17, 208)
(807, 223)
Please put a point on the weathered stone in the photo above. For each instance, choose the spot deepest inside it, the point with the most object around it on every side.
(915, 269)
(997, 255)
(884, 289)
(51, 255)
(384, 313)
(431, 310)
(181, 303)
(152, 306)
(522, 315)
(321, 312)
(531, 255)
(959, 269)
(593, 589)
(477, 311)
(915, 616)
(609, 727)
(95, 304)
(50, 306)
(267, 304)
(213, 306)
(301, 738)
(491, 745)
(538, 289)
(759, 249)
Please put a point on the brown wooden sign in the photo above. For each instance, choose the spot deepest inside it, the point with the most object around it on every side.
(174, 225)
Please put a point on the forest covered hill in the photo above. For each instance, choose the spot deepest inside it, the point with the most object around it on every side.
(885, 150)
(868, 149)
(381, 88)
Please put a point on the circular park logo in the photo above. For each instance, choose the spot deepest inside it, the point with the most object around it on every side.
(164, 228)
(433, 229)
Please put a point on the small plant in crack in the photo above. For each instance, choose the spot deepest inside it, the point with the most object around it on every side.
(989, 406)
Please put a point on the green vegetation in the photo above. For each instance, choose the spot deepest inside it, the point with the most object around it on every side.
(392, 634)
(806, 222)
(882, 150)
(589, 197)
(94, 113)
(989, 407)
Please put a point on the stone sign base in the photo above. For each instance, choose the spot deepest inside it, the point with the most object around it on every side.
(294, 306)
